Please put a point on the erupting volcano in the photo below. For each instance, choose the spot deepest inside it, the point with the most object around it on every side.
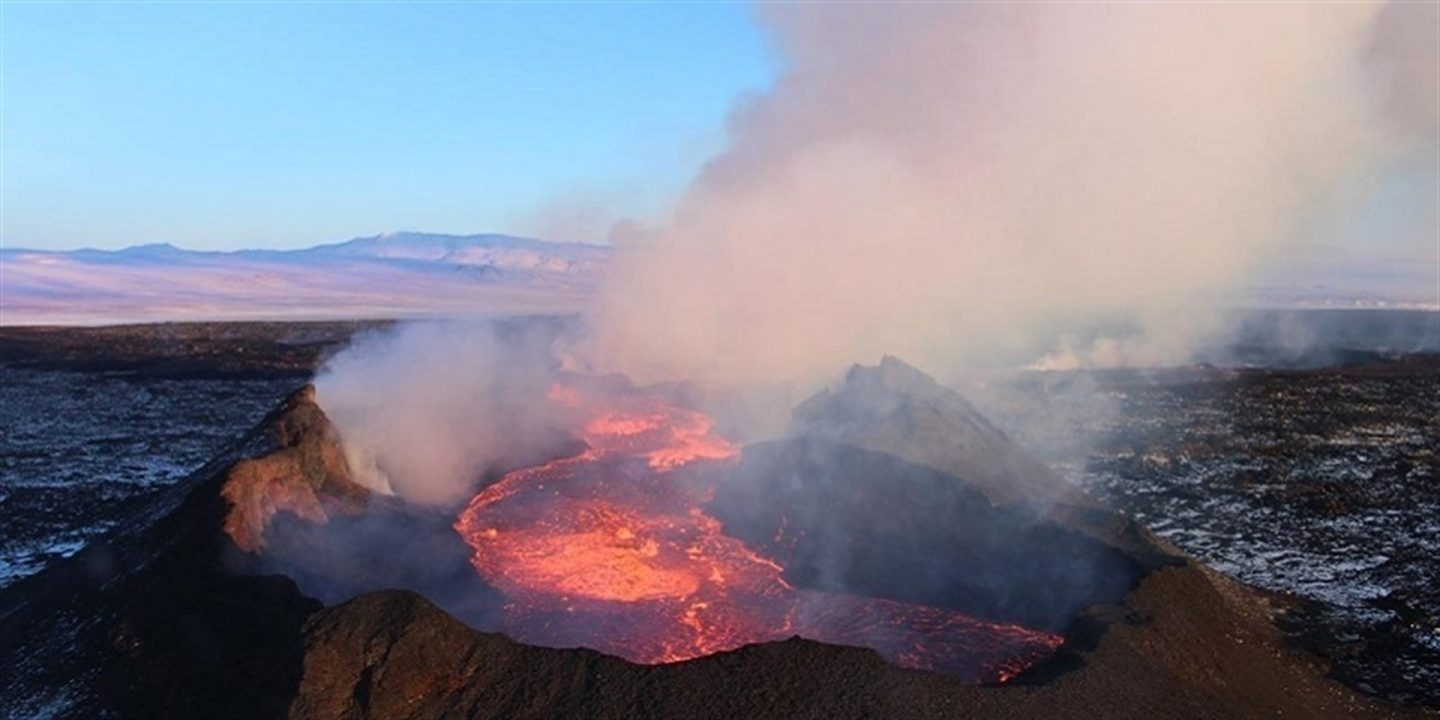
(612, 549)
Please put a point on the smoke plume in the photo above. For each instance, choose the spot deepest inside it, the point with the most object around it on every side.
(951, 181)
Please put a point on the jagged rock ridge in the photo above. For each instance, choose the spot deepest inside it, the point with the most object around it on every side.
(897, 409)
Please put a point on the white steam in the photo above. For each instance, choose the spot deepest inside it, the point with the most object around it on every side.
(944, 181)
(424, 409)
(948, 182)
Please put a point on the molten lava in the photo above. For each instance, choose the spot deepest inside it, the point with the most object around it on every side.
(611, 549)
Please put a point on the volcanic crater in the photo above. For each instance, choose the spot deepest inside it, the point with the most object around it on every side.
(661, 541)
(277, 586)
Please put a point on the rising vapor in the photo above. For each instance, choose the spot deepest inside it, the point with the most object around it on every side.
(956, 184)
(426, 408)
(953, 181)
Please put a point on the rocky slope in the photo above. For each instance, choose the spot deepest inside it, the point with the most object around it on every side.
(897, 409)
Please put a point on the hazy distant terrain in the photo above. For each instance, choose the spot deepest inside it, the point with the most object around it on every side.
(408, 274)
(388, 275)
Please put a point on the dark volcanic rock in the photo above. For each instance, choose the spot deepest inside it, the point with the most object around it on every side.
(867, 523)
(897, 409)
(160, 618)
(182, 350)
(302, 476)
(894, 408)
(1185, 644)
(170, 618)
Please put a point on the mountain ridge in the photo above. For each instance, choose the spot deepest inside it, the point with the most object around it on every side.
(393, 274)
(363, 241)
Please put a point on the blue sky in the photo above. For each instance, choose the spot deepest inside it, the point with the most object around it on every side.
(226, 125)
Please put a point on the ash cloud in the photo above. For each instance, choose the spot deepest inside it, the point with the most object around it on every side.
(957, 183)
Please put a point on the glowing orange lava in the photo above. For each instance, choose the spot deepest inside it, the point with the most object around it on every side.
(610, 549)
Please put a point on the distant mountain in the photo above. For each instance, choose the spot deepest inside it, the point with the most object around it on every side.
(387, 275)
(1373, 280)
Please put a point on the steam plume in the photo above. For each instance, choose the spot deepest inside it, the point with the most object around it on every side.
(947, 183)
(426, 408)
(941, 181)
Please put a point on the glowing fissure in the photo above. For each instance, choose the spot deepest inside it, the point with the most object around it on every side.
(610, 549)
